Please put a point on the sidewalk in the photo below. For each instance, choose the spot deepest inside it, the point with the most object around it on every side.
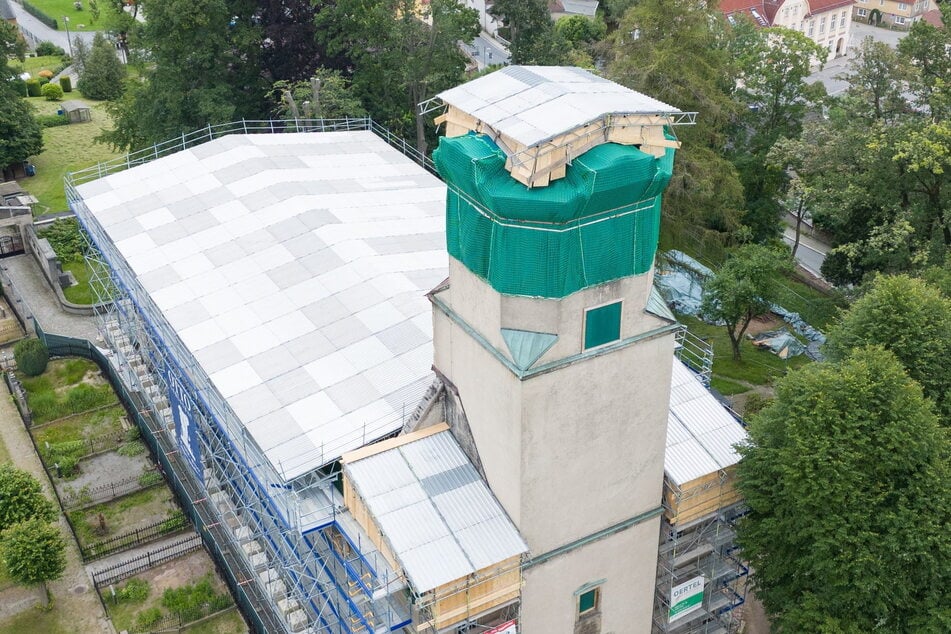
(73, 595)
(42, 303)
(35, 31)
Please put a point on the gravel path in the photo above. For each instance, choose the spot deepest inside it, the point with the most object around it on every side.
(73, 594)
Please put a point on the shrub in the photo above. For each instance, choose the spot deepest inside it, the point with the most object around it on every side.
(31, 357)
(52, 92)
(149, 478)
(136, 591)
(147, 618)
(51, 120)
(176, 521)
(103, 73)
(65, 238)
(134, 448)
(85, 397)
(189, 601)
(47, 48)
(45, 406)
(43, 81)
(33, 87)
(66, 84)
(132, 433)
(48, 74)
(19, 86)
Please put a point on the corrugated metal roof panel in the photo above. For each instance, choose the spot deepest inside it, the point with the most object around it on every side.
(700, 431)
(445, 524)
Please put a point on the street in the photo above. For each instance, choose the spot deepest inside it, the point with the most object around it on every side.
(486, 51)
(35, 31)
(831, 73)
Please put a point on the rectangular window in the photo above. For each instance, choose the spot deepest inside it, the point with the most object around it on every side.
(589, 602)
(832, 23)
(863, 13)
(822, 25)
(902, 6)
(812, 27)
(602, 325)
(899, 19)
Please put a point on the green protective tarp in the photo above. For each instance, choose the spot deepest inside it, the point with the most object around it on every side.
(598, 223)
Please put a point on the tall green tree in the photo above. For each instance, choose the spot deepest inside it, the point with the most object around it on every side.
(846, 475)
(21, 498)
(744, 287)
(203, 69)
(528, 26)
(676, 51)
(20, 135)
(401, 55)
(327, 95)
(910, 318)
(102, 73)
(34, 552)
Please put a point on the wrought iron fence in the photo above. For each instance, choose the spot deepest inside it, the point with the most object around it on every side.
(149, 559)
(85, 496)
(176, 621)
(172, 524)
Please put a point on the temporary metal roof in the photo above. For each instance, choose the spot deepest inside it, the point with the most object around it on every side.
(435, 511)
(294, 268)
(533, 104)
(700, 431)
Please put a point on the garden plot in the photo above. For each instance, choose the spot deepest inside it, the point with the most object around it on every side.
(124, 516)
(182, 591)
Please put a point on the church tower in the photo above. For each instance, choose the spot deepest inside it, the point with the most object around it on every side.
(544, 333)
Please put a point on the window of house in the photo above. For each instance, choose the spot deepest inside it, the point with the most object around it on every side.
(812, 27)
(822, 25)
(902, 6)
(589, 602)
(832, 23)
(602, 325)
(862, 13)
(899, 19)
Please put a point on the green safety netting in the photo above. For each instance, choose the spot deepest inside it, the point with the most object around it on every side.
(598, 223)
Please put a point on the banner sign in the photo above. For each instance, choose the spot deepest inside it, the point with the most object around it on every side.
(685, 598)
(186, 430)
(509, 627)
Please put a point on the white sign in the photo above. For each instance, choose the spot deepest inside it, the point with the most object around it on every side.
(509, 627)
(685, 598)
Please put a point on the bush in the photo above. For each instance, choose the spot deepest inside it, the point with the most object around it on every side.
(149, 478)
(189, 601)
(132, 433)
(85, 397)
(103, 73)
(46, 48)
(19, 86)
(65, 238)
(33, 87)
(176, 521)
(48, 74)
(136, 591)
(147, 618)
(66, 84)
(52, 92)
(129, 449)
(43, 81)
(31, 357)
(51, 120)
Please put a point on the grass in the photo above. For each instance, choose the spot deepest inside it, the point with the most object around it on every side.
(82, 292)
(727, 387)
(67, 148)
(755, 366)
(34, 65)
(39, 621)
(228, 623)
(122, 515)
(78, 20)
(819, 309)
(59, 373)
(88, 425)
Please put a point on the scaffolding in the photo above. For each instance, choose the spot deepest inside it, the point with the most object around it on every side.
(316, 569)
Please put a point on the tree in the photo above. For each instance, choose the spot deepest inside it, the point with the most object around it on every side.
(20, 135)
(52, 92)
(80, 53)
(21, 498)
(675, 51)
(203, 69)
(34, 551)
(911, 319)
(528, 26)
(31, 356)
(401, 55)
(103, 73)
(743, 288)
(846, 477)
(327, 95)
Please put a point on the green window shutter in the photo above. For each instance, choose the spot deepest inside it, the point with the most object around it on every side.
(588, 601)
(602, 325)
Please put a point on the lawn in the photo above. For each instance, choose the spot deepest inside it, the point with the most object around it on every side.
(78, 20)
(122, 515)
(67, 148)
(39, 622)
(88, 425)
(756, 366)
(82, 292)
(34, 65)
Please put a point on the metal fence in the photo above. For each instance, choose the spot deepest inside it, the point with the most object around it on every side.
(176, 621)
(86, 496)
(172, 524)
(231, 564)
(149, 559)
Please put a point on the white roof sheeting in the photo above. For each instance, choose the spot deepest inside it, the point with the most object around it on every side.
(532, 104)
(294, 268)
(700, 432)
(436, 512)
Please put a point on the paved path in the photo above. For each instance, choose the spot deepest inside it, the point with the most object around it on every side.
(73, 594)
(35, 31)
(833, 71)
(116, 559)
(42, 303)
(810, 254)
(487, 51)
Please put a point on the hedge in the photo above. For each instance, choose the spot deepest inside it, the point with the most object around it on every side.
(66, 83)
(42, 17)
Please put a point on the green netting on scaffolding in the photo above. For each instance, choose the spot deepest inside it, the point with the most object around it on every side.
(598, 223)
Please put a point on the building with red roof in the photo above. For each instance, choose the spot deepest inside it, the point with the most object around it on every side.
(826, 22)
